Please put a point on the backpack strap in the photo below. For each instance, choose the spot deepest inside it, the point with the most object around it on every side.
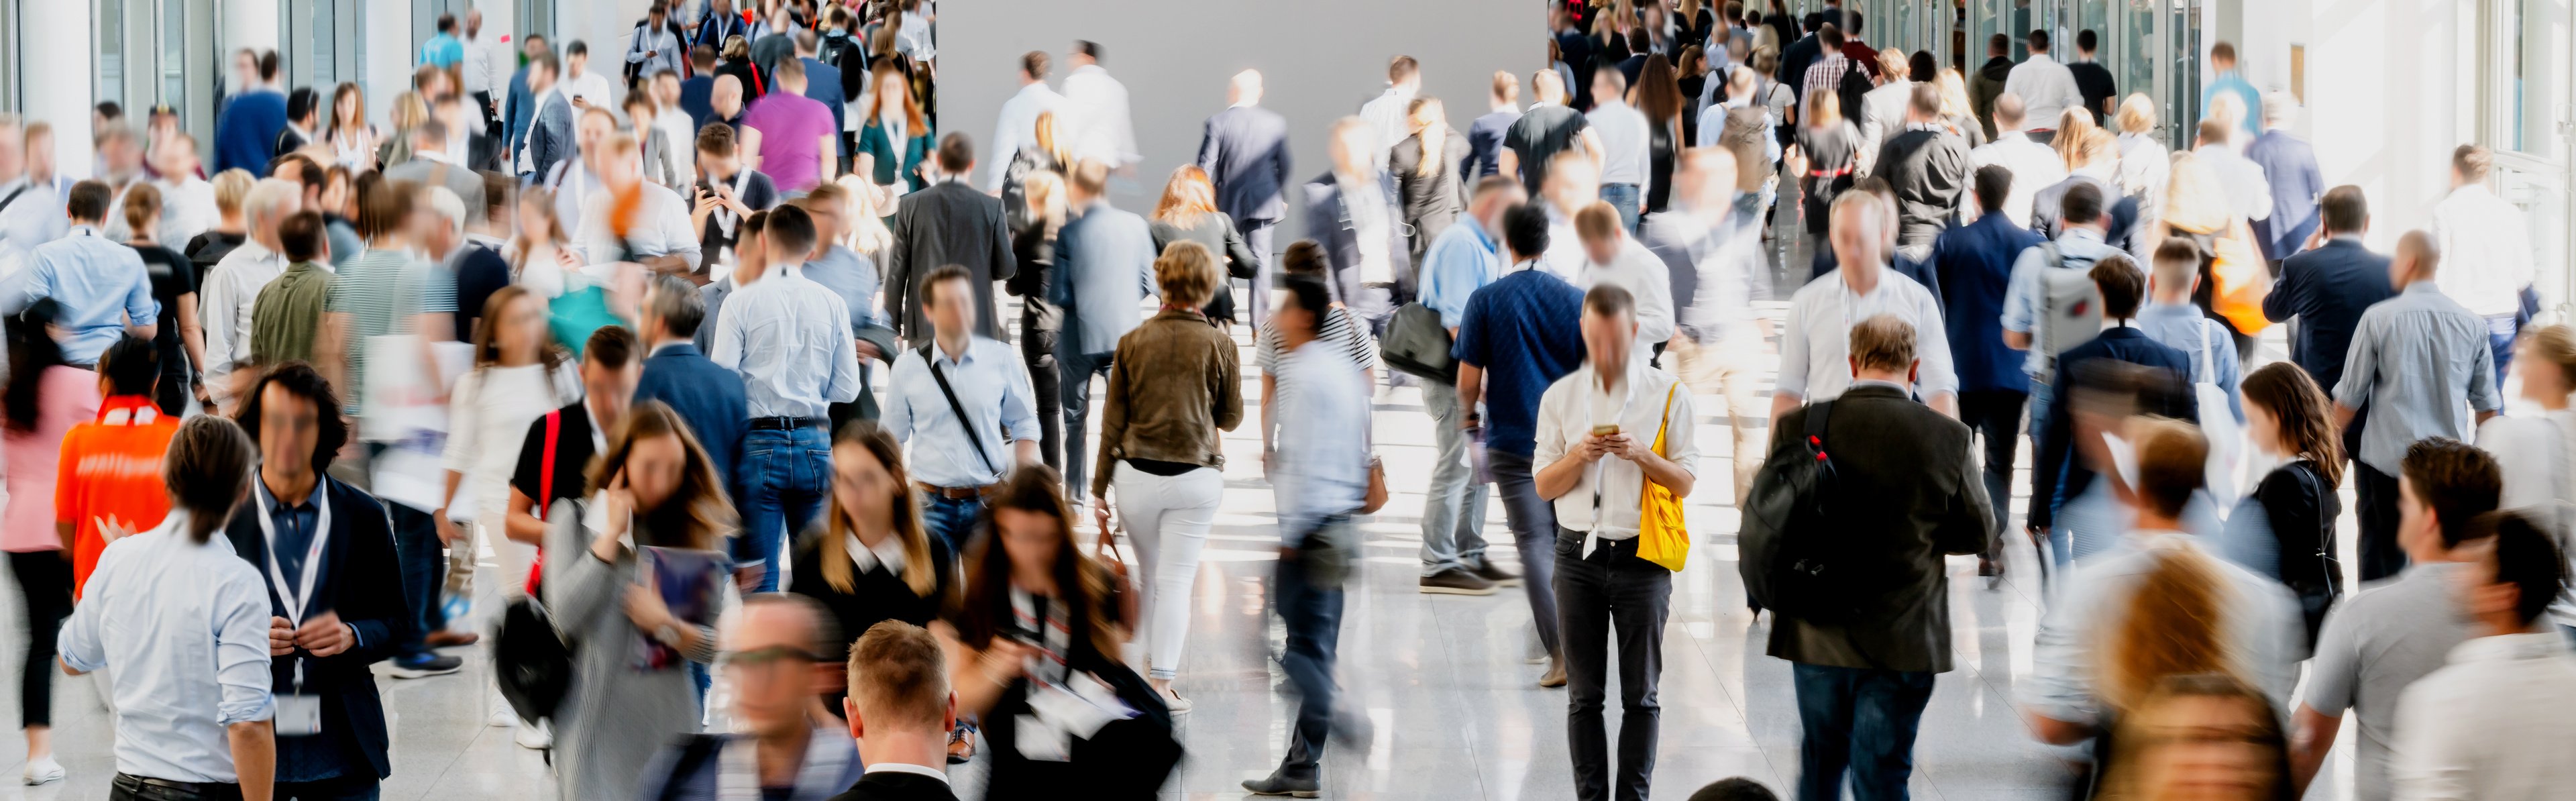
(1818, 414)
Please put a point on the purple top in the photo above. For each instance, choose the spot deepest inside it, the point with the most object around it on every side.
(791, 127)
(66, 396)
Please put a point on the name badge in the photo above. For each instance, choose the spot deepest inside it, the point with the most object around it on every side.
(299, 715)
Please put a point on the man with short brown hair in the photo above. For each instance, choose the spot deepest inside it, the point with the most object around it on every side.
(900, 711)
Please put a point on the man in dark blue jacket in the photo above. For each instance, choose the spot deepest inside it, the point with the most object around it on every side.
(1974, 263)
(246, 131)
(707, 397)
(336, 590)
(521, 111)
(2060, 477)
(550, 135)
(2290, 166)
(2327, 288)
(1354, 212)
(1244, 150)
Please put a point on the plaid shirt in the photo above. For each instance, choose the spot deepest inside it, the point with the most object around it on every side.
(1826, 74)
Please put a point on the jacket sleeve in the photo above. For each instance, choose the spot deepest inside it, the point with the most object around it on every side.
(371, 586)
(578, 587)
(1240, 261)
(1968, 521)
(2277, 303)
(998, 242)
(1229, 387)
(898, 271)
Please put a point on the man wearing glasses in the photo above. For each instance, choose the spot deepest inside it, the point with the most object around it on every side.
(774, 651)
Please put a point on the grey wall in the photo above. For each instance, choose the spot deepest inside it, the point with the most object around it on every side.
(1321, 58)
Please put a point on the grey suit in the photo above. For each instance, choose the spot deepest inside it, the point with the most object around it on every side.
(1245, 153)
(466, 183)
(1882, 117)
(550, 137)
(949, 223)
(1104, 268)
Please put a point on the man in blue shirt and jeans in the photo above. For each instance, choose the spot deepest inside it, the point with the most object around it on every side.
(1511, 345)
(102, 286)
(955, 461)
(1465, 258)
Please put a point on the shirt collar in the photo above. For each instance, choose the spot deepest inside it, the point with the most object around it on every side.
(434, 156)
(1872, 382)
(900, 767)
(122, 410)
(2085, 233)
(312, 500)
(888, 554)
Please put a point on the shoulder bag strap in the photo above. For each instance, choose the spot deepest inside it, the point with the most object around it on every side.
(956, 408)
(1665, 422)
(546, 471)
(13, 196)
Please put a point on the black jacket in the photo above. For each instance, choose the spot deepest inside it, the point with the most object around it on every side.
(1245, 153)
(2056, 449)
(875, 596)
(948, 223)
(1928, 501)
(2327, 288)
(1431, 202)
(886, 785)
(362, 582)
(1929, 171)
(1328, 221)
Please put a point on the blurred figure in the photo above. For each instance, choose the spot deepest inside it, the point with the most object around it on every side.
(1816, 344)
(928, 407)
(286, 317)
(2290, 169)
(228, 230)
(555, 451)
(173, 279)
(2200, 736)
(1467, 257)
(238, 279)
(2486, 252)
(630, 219)
(1614, 258)
(548, 130)
(2533, 450)
(246, 134)
(1734, 789)
(1550, 127)
(707, 397)
(432, 165)
(2225, 81)
(1095, 116)
(1034, 230)
(1427, 177)
(1659, 99)
(1884, 110)
(1354, 210)
(1626, 139)
(352, 141)
(778, 651)
(1826, 148)
(872, 560)
(2092, 159)
(1391, 111)
(2065, 472)
(1713, 252)
(2145, 164)
(187, 200)
(2285, 527)
(2388, 636)
(900, 710)
(185, 602)
(1104, 264)
(1927, 166)
(2486, 725)
(793, 136)
(895, 139)
(1017, 124)
(104, 290)
(2420, 363)
(2170, 318)
(45, 400)
(2248, 192)
(1485, 135)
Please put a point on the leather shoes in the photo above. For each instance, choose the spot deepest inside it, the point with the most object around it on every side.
(1496, 574)
(448, 639)
(1280, 784)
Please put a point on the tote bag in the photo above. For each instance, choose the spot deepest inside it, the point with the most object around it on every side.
(1661, 537)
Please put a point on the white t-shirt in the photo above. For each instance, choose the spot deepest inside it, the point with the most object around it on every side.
(1625, 143)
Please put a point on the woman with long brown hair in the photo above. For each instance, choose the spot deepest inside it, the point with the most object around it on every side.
(657, 490)
(1187, 213)
(2291, 514)
(1658, 95)
(895, 139)
(871, 560)
(352, 140)
(2202, 737)
(541, 252)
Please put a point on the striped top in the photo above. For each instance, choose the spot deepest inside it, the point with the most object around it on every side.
(1340, 327)
(381, 290)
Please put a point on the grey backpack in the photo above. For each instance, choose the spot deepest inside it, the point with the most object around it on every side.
(2070, 308)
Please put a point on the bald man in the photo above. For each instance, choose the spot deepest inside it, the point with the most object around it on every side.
(1245, 152)
(2420, 363)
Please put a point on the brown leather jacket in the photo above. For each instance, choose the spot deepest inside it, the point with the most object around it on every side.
(1176, 381)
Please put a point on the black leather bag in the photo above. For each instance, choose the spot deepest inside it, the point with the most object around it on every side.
(1790, 562)
(530, 661)
(1418, 344)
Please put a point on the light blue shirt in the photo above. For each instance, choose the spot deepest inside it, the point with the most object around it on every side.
(852, 278)
(1461, 260)
(185, 626)
(101, 285)
(991, 384)
(790, 339)
(442, 51)
(1322, 470)
(34, 218)
(2233, 82)
(2263, 626)
(2182, 327)
(2077, 249)
(2414, 358)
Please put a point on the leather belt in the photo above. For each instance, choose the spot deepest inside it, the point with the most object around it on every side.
(957, 493)
(787, 423)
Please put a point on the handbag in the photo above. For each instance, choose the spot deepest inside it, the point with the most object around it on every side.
(530, 661)
(1376, 497)
(1416, 343)
(1662, 537)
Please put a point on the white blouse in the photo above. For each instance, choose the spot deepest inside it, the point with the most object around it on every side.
(488, 417)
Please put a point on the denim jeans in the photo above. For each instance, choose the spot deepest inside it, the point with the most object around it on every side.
(361, 787)
(1625, 198)
(1859, 720)
(2501, 330)
(1037, 350)
(1257, 234)
(1076, 370)
(1453, 507)
(785, 476)
(1311, 610)
(1611, 590)
(951, 520)
(424, 566)
(1533, 524)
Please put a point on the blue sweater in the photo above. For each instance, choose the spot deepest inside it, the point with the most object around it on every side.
(246, 131)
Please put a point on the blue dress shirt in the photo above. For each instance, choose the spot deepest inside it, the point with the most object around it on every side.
(992, 385)
(301, 759)
(1461, 260)
(790, 338)
(189, 645)
(101, 285)
(852, 278)
(2182, 327)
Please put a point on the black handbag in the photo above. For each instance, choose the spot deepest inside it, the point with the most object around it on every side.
(1416, 343)
(530, 661)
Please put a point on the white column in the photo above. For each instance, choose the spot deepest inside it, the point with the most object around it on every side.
(389, 57)
(248, 23)
(63, 95)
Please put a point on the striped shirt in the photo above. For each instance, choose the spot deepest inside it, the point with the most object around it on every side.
(1340, 328)
(381, 290)
(1826, 74)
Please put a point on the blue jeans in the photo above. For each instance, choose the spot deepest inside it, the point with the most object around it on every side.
(1453, 507)
(1626, 198)
(2501, 330)
(952, 521)
(1533, 523)
(1861, 720)
(424, 573)
(1075, 371)
(1312, 613)
(785, 476)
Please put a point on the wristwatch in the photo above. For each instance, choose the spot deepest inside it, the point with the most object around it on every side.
(668, 635)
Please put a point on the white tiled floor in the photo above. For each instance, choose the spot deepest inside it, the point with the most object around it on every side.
(1455, 711)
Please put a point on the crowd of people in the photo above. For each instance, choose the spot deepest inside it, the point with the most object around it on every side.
(708, 358)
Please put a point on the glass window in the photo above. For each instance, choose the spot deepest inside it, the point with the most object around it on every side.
(174, 53)
(2537, 102)
(9, 71)
(325, 67)
(111, 51)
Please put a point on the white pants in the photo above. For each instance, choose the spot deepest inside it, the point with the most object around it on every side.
(1167, 517)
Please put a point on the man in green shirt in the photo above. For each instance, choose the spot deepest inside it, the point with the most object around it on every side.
(288, 312)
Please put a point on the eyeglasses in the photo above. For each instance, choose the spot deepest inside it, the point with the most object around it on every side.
(766, 658)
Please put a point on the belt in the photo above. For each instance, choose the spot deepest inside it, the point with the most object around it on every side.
(131, 782)
(787, 423)
(957, 493)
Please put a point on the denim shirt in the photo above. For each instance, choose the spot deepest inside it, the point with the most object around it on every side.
(2182, 327)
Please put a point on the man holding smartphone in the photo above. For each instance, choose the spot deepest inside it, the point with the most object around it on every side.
(725, 193)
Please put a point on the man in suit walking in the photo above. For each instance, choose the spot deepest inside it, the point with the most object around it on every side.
(949, 223)
(900, 712)
(1244, 150)
(2327, 288)
(776, 642)
(1354, 212)
(550, 136)
(707, 397)
(519, 106)
(1104, 266)
(1884, 445)
(2290, 166)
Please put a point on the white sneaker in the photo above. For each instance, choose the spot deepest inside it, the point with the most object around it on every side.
(536, 736)
(43, 771)
(503, 718)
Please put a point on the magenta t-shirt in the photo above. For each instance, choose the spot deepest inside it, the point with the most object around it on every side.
(789, 125)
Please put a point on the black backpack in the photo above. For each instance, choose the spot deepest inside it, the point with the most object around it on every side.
(530, 661)
(1790, 563)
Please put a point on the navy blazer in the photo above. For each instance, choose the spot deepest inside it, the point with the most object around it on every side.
(2327, 289)
(707, 397)
(2061, 477)
(1096, 255)
(1328, 221)
(1245, 153)
(361, 580)
(1973, 264)
(550, 137)
(516, 112)
(2291, 167)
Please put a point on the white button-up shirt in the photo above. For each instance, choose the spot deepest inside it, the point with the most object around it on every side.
(1387, 113)
(1625, 142)
(187, 209)
(790, 339)
(183, 628)
(34, 218)
(1815, 347)
(1606, 498)
(661, 227)
(2486, 250)
(2033, 166)
(2495, 724)
(224, 307)
(1637, 270)
(1017, 127)
(1100, 127)
(2047, 90)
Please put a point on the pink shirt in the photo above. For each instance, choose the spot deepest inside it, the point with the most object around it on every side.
(791, 128)
(66, 396)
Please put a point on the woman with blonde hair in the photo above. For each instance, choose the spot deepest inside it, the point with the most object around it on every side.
(409, 111)
(1034, 226)
(2074, 130)
(871, 560)
(2200, 736)
(1828, 147)
(1425, 167)
(1046, 151)
(1175, 387)
(1187, 213)
(2144, 162)
(1956, 112)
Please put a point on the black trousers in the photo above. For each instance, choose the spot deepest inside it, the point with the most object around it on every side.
(1037, 349)
(45, 583)
(172, 393)
(1995, 415)
(1611, 590)
(2377, 491)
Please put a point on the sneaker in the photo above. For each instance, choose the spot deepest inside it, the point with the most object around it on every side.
(425, 665)
(1178, 705)
(1280, 784)
(536, 736)
(1555, 675)
(43, 770)
(1456, 581)
(502, 717)
(1498, 575)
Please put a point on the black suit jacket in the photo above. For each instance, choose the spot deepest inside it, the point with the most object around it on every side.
(362, 582)
(891, 786)
(1932, 503)
(1328, 221)
(2056, 456)
(2327, 289)
(948, 223)
(1245, 152)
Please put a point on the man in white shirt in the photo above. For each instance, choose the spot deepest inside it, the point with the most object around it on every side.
(224, 303)
(1573, 182)
(2047, 89)
(2486, 251)
(585, 88)
(2034, 166)
(574, 180)
(1816, 342)
(477, 69)
(1613, 258)
(1388, 112)
(1625, 145)
(1614, 406)
(2248, 192)
(1017, 126)
(1099, 127)
(900, 710)
(660, 238)
(187, 201)
(2494, 724)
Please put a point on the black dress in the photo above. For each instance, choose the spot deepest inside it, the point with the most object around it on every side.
(1659, 162)
(2301, 508)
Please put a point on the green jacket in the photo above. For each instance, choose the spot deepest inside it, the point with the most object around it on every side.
(288, 314)
(874, 141)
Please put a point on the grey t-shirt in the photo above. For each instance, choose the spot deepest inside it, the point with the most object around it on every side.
(2374, 644)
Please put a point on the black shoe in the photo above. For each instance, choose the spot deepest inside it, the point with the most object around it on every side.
(424, 665)
(1456, 581)
(1495, 573)
(1280, 784)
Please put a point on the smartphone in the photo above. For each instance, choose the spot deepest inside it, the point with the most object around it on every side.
(1611, 429)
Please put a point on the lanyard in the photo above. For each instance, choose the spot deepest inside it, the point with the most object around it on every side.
(299, 598)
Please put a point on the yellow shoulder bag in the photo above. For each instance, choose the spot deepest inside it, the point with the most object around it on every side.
(1661, 536)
